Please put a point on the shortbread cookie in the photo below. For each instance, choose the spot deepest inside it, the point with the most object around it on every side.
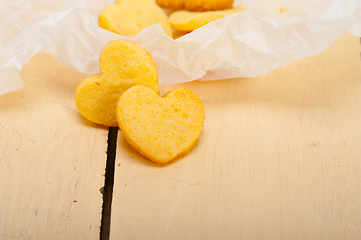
(196, 5)
(129, 17)
(189, 21)
(123, 64)
(164, 128)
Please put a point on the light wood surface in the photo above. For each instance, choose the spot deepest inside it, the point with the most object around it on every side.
(52, 161)
(279, 158)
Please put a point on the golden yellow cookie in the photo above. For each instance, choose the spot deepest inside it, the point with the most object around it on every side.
(179, 34)
(189, 21)
(196, 5)
(164, 128)
(129, 17)
(123, 64)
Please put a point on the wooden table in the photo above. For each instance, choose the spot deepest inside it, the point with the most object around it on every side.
(279, 158)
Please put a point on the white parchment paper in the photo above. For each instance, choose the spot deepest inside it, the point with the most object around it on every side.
(251, 43)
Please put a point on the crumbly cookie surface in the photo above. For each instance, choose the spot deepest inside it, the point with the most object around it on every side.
(164, 128)
(123, 64)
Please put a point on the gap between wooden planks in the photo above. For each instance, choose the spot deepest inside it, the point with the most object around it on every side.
(108, 184)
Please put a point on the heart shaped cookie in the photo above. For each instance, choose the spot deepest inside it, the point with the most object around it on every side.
(129, 17)
(123, 64)
(161, 129)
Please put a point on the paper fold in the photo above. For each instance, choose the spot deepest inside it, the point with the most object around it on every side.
(246, 44)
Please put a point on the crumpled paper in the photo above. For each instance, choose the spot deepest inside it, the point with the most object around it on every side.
(251, 43)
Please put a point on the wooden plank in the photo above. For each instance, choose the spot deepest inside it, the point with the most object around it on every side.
(52, 160)
(279, 158)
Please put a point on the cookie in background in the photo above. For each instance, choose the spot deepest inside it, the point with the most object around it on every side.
(129, 17)
(187, 21)
(196, 5)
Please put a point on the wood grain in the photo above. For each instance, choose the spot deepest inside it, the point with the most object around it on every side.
(279, 158)
(52, 161)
